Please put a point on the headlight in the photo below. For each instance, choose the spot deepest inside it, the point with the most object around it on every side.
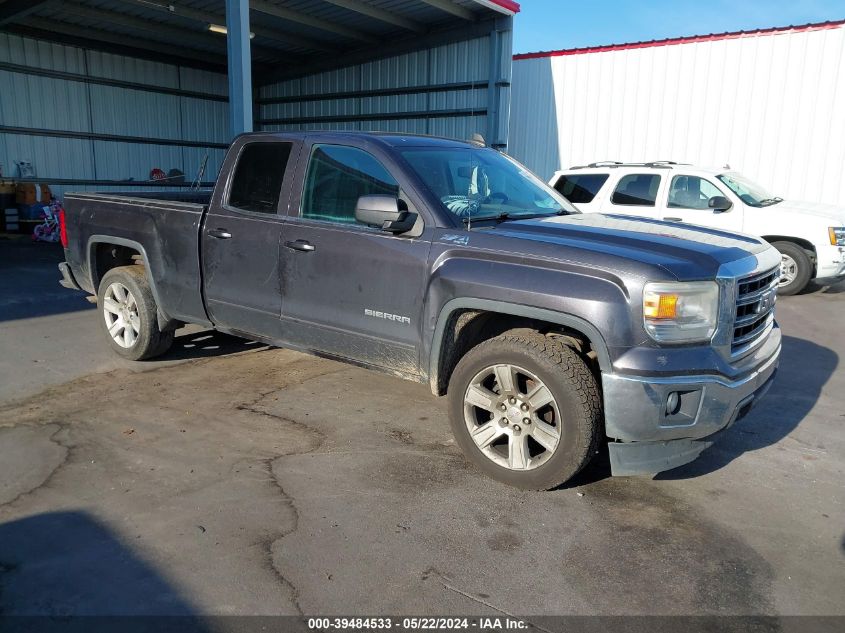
(681, 312)
(837, 235)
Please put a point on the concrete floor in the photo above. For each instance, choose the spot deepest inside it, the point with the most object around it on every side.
(233, 479)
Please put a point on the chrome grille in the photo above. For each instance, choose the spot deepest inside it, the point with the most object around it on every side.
(755, 306)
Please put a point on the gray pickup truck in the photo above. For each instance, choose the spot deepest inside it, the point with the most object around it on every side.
(448, 263)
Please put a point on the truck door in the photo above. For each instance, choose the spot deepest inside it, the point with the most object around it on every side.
(688, 201)
(241, 235)
(635, 194)
(351, 290)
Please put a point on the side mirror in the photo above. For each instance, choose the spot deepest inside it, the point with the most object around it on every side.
(384, 212)
(719, 204)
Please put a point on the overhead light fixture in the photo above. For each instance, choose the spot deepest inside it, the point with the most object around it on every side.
(217, 28)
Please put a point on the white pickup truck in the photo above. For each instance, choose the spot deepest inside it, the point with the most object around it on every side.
(809, 236)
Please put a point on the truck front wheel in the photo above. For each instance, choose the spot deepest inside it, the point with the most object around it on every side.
(129, 315)
(525, 409)
(795, 268)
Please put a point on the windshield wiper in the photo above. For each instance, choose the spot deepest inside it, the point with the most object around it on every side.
(770, 201)
(507, 215)
(499, 217)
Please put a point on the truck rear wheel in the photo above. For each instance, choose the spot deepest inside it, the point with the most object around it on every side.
(525, 409)
(129, 315)
(795, 268)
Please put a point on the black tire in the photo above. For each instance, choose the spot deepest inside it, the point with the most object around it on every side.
(571, 384)
(150, 341)
(804, 267)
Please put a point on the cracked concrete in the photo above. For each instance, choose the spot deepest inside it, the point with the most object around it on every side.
(28, 458)
(157, 463)
(270, 482)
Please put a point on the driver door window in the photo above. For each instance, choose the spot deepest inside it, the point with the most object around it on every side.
(691, 192)
(339, 175)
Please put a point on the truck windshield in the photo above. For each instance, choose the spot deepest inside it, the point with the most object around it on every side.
(748, 191)
(481, 183)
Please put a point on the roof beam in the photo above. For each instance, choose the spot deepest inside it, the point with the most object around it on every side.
(206, 17)
(13, 10)
(309, 20)
(446, 34)
(379, 14)
(450, 7)
(173, 33)
(85, 33)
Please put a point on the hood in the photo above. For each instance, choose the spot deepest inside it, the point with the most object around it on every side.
(833, 215)
(687, 252)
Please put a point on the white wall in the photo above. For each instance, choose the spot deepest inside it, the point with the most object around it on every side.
(770, 105)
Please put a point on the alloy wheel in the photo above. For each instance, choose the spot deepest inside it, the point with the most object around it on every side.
(788, 270)
(121, 314)
(512, 417)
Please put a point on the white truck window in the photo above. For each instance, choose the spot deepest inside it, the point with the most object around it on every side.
(580, 188)
(636, 190)
(691, 192)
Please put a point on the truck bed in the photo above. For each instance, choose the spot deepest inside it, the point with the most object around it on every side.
(105, 228)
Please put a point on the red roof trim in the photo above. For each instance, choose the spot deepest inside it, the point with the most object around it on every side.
(819, 26)
(508, 5)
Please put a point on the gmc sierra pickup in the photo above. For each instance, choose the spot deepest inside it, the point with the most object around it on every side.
(449, 263)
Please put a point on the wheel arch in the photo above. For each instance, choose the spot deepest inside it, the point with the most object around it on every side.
(440, 362)
(798, 241)
(95, 241)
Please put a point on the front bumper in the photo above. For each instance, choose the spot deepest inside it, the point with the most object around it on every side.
(650, 438)
(830, 264)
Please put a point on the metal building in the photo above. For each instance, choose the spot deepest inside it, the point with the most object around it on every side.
(770, 103)
(97, 93)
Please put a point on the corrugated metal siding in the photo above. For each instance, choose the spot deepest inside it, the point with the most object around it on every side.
(533, 135)
(30, 52)
(203, 81)
(131, 69)
(32, 101)
(28, 101)
(467, 61)
(770, 106)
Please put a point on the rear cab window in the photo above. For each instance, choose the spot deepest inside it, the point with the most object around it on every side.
(257, 180)
(580, 188)
(638, 190)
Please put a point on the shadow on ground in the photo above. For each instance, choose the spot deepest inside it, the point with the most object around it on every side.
(805, 368)
(67, 564)
(29, 281)
(207, 343)
(817, 288)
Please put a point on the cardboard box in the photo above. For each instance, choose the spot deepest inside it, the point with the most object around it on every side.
(25, 194)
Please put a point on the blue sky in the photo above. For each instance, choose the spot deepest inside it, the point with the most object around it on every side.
(555, 24)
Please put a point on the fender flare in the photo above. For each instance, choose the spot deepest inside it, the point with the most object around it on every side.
(502, 307)
(163, 319)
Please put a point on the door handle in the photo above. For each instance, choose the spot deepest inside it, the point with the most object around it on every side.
(674, 219)
(301, 245)
(220, 234)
